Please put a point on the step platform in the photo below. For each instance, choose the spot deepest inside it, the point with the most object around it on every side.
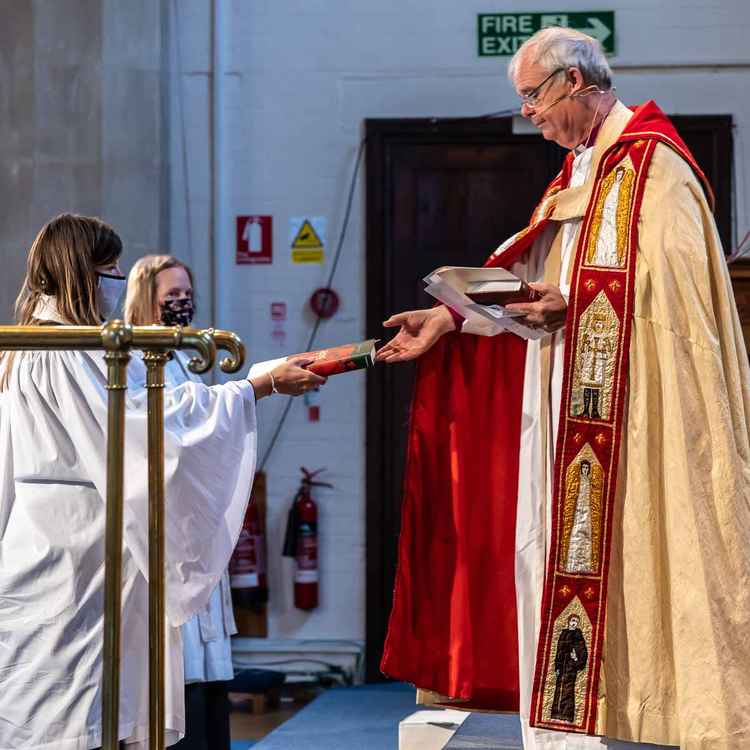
(365, 717)
(487, 732)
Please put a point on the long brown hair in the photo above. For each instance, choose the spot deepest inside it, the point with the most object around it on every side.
(140, 301)
(62, 263)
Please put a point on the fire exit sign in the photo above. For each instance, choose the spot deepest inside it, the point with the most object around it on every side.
(503, 33)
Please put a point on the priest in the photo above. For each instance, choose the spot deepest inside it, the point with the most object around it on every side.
(596, 475)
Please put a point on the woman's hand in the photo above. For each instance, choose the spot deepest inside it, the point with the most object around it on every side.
(290, 378)
(420, 329)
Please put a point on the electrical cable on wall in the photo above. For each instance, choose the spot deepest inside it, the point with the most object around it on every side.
(339, 247)
(183, 132)
(337, 255)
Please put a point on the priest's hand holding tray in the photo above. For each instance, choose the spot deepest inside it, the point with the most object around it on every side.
(484, 298)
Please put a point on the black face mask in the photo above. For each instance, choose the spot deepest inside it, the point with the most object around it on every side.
(177, 312)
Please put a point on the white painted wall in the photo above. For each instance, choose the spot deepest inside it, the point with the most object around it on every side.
(303, 74)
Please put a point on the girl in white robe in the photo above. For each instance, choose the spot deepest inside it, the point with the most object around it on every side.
(160, 291)
(53, 426)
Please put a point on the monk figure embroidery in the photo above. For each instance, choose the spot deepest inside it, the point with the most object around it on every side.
(570, 658)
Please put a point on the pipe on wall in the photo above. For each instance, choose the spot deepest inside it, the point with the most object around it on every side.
(221, 9)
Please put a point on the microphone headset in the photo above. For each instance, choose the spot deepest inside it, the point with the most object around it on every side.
(592, 88)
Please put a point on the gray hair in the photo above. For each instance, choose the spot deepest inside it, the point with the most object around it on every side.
(560, 47)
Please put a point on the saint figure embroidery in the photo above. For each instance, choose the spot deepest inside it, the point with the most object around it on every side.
(595, 360)
(608, 238)
(565, 682)
(571, 657)
(580, 550)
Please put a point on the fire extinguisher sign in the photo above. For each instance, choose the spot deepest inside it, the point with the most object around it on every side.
(254, 240)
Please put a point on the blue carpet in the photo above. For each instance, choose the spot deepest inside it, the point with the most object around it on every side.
(365, 717)
(242, 744)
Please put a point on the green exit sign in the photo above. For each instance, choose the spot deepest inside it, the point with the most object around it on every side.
(503, 33)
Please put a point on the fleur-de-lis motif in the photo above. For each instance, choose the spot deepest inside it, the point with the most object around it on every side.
(601, 438)
(614, 285)
(590, 284)
(565, 590)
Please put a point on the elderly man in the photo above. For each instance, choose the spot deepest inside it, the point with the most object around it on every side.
(643, 379)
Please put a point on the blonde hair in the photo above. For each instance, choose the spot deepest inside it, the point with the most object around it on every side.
(140, 301)
(62, 263)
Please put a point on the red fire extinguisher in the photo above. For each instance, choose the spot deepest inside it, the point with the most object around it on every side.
(301, 541)
(248, 576)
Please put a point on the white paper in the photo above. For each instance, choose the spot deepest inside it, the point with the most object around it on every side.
(447, 285)
(484, 320)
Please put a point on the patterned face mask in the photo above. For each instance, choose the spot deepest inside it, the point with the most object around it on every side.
(177, 312)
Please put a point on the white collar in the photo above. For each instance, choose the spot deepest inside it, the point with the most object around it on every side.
(46, 309)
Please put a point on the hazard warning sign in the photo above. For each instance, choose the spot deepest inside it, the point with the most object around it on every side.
(307, 238)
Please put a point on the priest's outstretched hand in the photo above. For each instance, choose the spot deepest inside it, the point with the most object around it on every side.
(420, 329)
(548, 312)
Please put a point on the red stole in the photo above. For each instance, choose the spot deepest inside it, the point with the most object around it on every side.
(453, 627)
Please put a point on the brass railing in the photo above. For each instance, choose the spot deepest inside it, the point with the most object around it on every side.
(117, 340)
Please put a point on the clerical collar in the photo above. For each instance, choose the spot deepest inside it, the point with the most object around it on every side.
(46, 309)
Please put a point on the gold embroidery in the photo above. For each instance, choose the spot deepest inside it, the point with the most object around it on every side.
(545, 206)
(564, 690)
(542, 211)
(609, 226)
(581, 542)
(594, 364)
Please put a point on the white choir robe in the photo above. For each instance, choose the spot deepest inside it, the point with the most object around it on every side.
(534, 511)
(206, 636)
(53, 423)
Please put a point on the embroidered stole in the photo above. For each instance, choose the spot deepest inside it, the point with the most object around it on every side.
(588, 444)
(584, 486)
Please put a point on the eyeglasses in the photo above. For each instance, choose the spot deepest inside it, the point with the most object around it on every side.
(532, 98)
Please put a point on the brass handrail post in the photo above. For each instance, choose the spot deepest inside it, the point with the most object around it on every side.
(116, 341)
(231, 342)
(155, 362)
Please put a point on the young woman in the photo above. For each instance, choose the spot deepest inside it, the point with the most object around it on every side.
(53, 422)
(160, 291)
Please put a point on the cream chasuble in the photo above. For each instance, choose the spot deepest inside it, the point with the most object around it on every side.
(676, 660)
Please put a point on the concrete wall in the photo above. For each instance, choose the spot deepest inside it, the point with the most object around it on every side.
(82, 127)
(302, 76)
